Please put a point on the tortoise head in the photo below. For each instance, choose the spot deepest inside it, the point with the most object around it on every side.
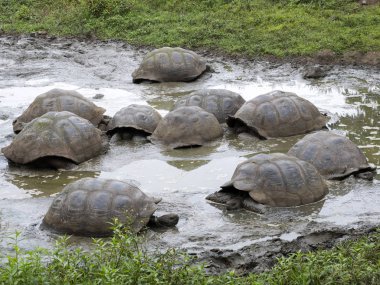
(18, 125)
(168, 220)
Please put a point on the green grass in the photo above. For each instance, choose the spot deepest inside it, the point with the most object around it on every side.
(122, 260)
(243, 27)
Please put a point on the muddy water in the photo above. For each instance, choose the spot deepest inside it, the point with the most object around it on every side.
(30, 66)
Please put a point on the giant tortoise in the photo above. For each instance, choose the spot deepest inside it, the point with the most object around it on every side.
(277, 114)
(335, 156)
(220, 102)
(134, 119)
(57, 100)
(56, 140)
(169, 65)
(276, 180)
(186, 127)
(88, 207)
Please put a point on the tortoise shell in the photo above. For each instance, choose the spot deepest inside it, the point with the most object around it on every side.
(89, 205)
(335, 156)
(56, 134)
(169, 65)
(139, 117)
(278, 114)
(57, 100)
(220, 102)
(278, 180)
(186, 127)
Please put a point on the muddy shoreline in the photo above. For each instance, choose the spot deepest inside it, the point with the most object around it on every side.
(360, 59)
(240, 241)
(262, 256)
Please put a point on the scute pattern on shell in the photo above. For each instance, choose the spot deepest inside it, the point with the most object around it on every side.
(333, 155)
(57, 100)
(278, 180)
(187, 126)
(169, 65)
(59, 134)
(279, 114)
(140, 117)
(220, 102)
(89, 205)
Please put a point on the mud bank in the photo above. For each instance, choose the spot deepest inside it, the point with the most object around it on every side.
(262, 256)
(183, 178)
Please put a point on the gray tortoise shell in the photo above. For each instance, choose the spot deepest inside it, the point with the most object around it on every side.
(278, 180)
(59, 134)
(279, 114)
(170, 64)
(89, 205)
(57, 100)
(220, 102)
(185, 127)
(140, 117)
(333, 155)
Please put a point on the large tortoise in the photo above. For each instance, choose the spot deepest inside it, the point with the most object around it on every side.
(186, 127)
(276, 180)
(335, 156)
(88, 207)
(57, 100)
(220, 102)
(56, 140)
(169, 65)
(277, 114)
(134, 119)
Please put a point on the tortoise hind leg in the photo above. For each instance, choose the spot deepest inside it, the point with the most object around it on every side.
(367, 175)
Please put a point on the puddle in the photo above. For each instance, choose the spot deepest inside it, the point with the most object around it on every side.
(183, 178)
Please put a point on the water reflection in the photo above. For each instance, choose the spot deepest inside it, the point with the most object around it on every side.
(187, 165)
(47, 182)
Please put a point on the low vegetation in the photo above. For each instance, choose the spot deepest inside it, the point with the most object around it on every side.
(122, 260)
(248, 27)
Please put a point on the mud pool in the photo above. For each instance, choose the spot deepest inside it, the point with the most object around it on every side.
(183, 178)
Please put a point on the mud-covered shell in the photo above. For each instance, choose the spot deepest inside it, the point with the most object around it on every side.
(185, 127)
(170, 65)
(139, 117)
(279, 114)
(57, 134)
(57, 100)
(89, 205)
(278, 180)
(333, 155)
(220, 102)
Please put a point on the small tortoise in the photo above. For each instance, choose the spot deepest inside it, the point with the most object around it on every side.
(56, 140)
(57, 100)
(134, 119)
(187, 127)
(220, 102)
(88, 207)
(276, 180)
(277, 114)
(169, 65)
(335, 156)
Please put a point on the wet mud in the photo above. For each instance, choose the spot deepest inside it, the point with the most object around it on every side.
(239, 240)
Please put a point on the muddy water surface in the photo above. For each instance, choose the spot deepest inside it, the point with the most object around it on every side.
(183, 178)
